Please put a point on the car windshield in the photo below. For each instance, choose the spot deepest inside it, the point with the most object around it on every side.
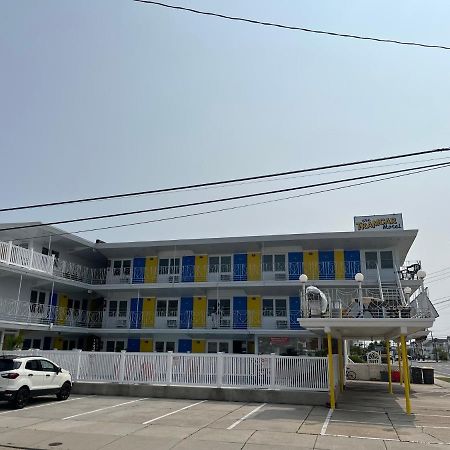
(8, 364)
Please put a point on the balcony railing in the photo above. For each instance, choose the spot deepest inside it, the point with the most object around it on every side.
(22, 257)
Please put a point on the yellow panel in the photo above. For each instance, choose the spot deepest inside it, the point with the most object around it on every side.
(339, 265)
(146, 345)
(251, 347)
(253, 266)
(201, 268)
(151, 269)
(58, 343)
(63, 301)
(148, 312)
(311, 264)
(198, 346)
(254, 308)
(199, 318)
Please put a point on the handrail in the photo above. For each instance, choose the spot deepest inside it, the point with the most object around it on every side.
(380, 286)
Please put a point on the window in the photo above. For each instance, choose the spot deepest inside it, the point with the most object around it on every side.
(221, 307)
(110, 346)
(167, 308)
(121, 267)
(37, 300)
(274, 263)
(161, 346)
(33, 364)
(214, 347)
(9, 364)
(45, 251)
(169, 266)
(126, 266)
(47, 366)
(274, 306)
(219, 264)
(115, 346)
(371, 260)
(118, 306)
(123, 308)
(386, 260)
(112, 308)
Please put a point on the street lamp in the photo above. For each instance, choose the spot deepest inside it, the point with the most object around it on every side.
(303, 280)
(407, 291)
(359, 278)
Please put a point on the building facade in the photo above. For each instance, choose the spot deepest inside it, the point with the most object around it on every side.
(234, 294)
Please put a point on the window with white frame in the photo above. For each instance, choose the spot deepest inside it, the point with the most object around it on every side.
(220, 307)
(274, 307)
(386, 260)
(121, 267)
(37, 301)
(274, 263)
(218, 346)
(164, 346)
(115, 346)
(220, 264)
(167, 308)
(371, 260)
(169, 266)
(117, 308)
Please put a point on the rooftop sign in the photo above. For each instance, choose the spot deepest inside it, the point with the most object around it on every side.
(379, 223)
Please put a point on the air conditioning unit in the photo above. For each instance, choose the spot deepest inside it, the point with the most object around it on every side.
(171, 323)
(282, 324)
(174, 278)
(225, 323)
(225, 277)
(121, 323)
(124, 280)
(280, 276)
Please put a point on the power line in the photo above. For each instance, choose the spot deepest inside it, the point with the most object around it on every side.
(235, 207)
(223, 182)
(294, 28)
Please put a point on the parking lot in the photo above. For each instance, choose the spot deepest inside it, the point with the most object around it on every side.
(367, 417)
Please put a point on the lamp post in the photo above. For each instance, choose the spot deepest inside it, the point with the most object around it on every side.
(359, 278)
(407, 291)
(303, 280)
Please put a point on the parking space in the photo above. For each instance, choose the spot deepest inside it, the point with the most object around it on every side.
(367, 417)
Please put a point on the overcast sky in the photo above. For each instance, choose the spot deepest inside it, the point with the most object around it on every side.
(102, 97)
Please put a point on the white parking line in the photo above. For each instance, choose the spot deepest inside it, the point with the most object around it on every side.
(246, 416)
(173, 412)
(359, 421)
(102, 409)
(326, 422)
(40, 406)
(363, 437)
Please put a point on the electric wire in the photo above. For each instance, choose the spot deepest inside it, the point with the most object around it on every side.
(219, 200)
(222, 182)
(163, 219)
(294, 28)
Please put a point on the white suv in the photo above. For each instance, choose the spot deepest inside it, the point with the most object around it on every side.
(24, 377)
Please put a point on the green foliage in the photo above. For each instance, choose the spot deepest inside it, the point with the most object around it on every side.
(13, 342)
(357, 358)
(443, 356)
(320, 353)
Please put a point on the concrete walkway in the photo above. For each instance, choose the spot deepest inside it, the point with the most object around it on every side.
(367, 418)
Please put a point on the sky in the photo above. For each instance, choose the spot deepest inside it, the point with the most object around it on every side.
(109, 96)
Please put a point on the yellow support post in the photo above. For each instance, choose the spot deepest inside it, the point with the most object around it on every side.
(405, 374)
(388, 353)
(331, 372)
(341, 366)
(399, 356)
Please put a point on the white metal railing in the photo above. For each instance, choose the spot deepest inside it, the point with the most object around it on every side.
(22, 257)
(194, 369)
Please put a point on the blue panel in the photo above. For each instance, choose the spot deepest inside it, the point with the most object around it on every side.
(240, 267)
(186, 312)
(295, 265)
(187, 269)
(294, 313)
(47, 343)
(134, 345)
(352, 262)
(138, 270)
(136, 313)
(326, 265)
(240, 312)
(184, 345)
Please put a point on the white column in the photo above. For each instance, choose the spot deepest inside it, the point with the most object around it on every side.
(256, 345)
(2, 339)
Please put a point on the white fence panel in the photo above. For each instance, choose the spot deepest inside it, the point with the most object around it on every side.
(252, 371)
(292, 372)
(97, 366)
(194, 369)
(148, 368)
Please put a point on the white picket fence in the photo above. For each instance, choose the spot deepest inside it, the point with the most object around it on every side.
(191, 369)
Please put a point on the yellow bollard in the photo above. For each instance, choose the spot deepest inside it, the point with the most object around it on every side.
(388, 352)
(405, 374)
(399, 356)
(341, 366)
(331, 372)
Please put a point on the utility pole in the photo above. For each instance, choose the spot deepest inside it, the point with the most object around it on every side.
(434, 347)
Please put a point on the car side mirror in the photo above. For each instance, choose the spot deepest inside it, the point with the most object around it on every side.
(58, 370)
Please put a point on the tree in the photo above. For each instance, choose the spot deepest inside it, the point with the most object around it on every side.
(13, 341)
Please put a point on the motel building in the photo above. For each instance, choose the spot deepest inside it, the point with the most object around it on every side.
(294, 295)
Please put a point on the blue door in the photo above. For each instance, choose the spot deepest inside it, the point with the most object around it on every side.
(52, 309)
(240, 267)
(186, 311)
(187, 269)
(134, 345)
(138, 270)
(326, 265)
(240, 312)
(47, 343)
(352, 262)
(294, 313)
(136, 313)
(184, 345)
(295, 265)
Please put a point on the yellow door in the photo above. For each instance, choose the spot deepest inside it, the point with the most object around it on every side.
(199, 313)
(63, 301)
(254, 309)
(201, 268)
(146, 345)
(151, 269)
(254, 266)
(198, 346)
(148, 312)
(311, 264)
(339, 264)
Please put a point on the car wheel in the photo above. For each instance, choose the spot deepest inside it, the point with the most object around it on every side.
(64, 392)
(21, 398)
